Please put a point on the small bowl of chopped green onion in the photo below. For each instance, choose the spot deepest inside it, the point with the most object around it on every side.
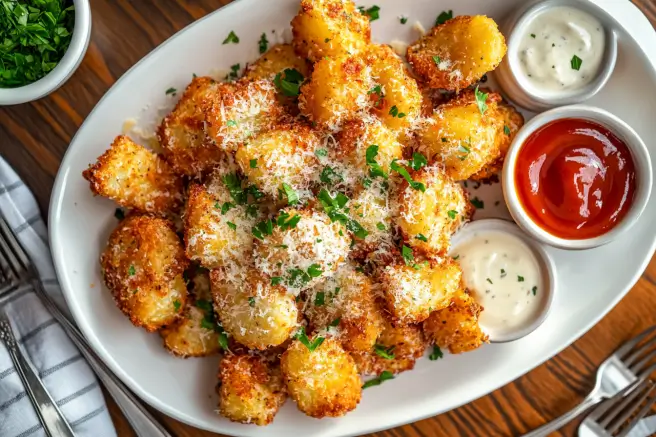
(42, 42)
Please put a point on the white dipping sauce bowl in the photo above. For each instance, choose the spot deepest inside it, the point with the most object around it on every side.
(65, 67)
(545, 262)
(516, 86)
(641, 162)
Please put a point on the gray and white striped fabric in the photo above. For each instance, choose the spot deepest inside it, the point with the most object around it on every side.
(64, 372)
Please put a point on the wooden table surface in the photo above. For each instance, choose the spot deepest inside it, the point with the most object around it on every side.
(34, 137)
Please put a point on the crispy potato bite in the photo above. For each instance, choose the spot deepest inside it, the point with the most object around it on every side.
(346, 302)
(283, 155)
(456, 326)
(189, 336)
(323, 382)
(142, 266)
(218, 229)
(458, 53)
(251, 390)
(254, 312)
(182, 136)
(329, 28)
(275, 60)
(303, 249)
(240, 110)
(462, 139)
(402, 346)
(427, 219)
(135, 177)
(413, 292)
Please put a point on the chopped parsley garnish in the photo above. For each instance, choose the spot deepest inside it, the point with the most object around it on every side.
(533, 35)
(418, 161)
(333, 207)
(452, 214)
(464, 150)
(378, 90)
(421, 237)
(477, 203)
(231, 38)
(506, 130)
(481, 98)
(384, 352)
(289, 82)
(204, 305)
(231, 123)
(303, 338)
(394, 112)
(253, 163)
(119, 213)
(576, 63)
(375, 169)
(263, 43)
(209, 322)
(335, 322)
(314, 271)
(373, 12)
(403, 19)
(437, 60)
(171, 91)
(381, 226)
(503, 273)
(436, 354)
(276, 280)
(251, 301)
(263, 229)
(223, 336)
(232, 226)
(227, 206)
(534, 290)
(384, 376)
(292, 196)
(444, 17)
(321, 153)
(285, 221)
(319, 299)
(176, 305)
(330, 176)
(520, 278)
(488, 280)
(251, 211)
(403, 172)
(455, 258)
(234, 72)
(408, 256)
(131, 270)
(233, 183)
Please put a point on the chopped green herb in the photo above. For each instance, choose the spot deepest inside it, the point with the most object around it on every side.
(335, 322)
(223, 336)
(378, 90)
(119, 214)
(380, 226)
(251, 301)
(488, 280)
(131, 270)
(285, 221)
(534, 290)
(231, 38)
(576, 63)
(394, 112)
(403, 172)
(176, 305)
(327, 40)
(263, 43)
(503, 273)
(384, 376)
(276, 280)
(373, 12)
(477, 203)
(506, 130)
(455, 258)
(418, 161)
(520, 278)
(204, 305)
(444, 17)
(321, 153)
(232, 226)
(289, 82)
(330, 176)
(227, 206)
(303, 338)
(253, 163)
(408, 255)
(452, 214)
(171, 91)
(403, 19)
(481, 98)
(319, 299)
(436, 354)
(315, 271)
(233, 183)
(384, 352)
(437, 60)
(251, 211)
(292, 196)
(234, 72)
(421, 237)
(375, 169)
(533, 35)
(263, 229)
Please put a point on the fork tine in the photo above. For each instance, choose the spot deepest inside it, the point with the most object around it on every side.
(20, 260)
(622, 411)
(629, 345)
(642, 413)
(601, 409)
(15, 266)
(646, 373)
(644, 360)
(635, 354)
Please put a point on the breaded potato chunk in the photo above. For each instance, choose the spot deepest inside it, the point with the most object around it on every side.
(135, 177)
(191, 335)
(303, 249)
(412, 292)
(456, 327)
(143, 266)
(217, 229)
(241, 110)
(457, 53)
(282, 156)
(398, 348)
(251, 390)
(396, 96)
(251, 309)
(427, 219)
(337, 91)
(329, 28)
(372, 209)
(462, 138)
(182, 136)
(346, 302)
(275, 60)
(324, 382)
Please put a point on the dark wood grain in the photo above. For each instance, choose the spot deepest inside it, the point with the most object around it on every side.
(34, 138)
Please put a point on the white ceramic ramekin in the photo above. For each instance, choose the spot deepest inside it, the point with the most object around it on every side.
(639, 154)
(64, 69)
(517, 87)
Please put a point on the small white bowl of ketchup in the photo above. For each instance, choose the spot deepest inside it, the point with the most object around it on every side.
(576, 177)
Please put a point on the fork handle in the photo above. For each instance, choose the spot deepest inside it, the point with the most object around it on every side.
(143, 423)
(546, 429)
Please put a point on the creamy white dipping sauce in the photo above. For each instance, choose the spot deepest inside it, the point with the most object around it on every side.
(505, 278)
(557, 42)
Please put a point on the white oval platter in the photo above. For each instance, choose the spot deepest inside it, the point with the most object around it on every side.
(590, 282)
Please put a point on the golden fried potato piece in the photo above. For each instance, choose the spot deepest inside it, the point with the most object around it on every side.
(345, 305)
(372, 209)
(135, 177)
(283, 155)
(241, 110)
(143, 266)
(251, 390)
(254, 312)
(217, 229)
(184, 142)
(401, 346)
(337, 91)
(329, 28)
(456, 327)
(412, 292)
(323, 382)
(427, 219)
(191, 335)
(512, 122)
(457, 53)
(462, 139)
(302, 255)
(396, 96)
(275, 60)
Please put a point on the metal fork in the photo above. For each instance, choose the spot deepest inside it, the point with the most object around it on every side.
(12, 254)
(630, 363)
(634, 402)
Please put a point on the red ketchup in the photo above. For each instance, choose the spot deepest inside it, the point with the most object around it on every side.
(575, 178)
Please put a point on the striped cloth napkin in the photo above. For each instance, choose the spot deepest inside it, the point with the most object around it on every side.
(64, 372)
